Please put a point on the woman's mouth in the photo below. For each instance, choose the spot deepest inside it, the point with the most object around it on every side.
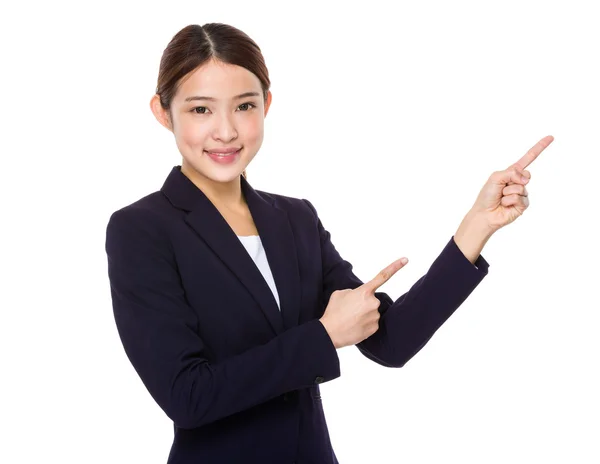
(224, 158)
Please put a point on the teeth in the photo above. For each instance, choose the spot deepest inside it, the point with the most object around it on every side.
(223, 155)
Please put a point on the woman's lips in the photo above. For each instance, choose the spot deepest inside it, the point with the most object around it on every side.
(224, 158)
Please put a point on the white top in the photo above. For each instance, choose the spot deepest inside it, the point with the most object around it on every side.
(255, 249)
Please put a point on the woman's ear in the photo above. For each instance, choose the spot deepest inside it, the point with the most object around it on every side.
(268, 102)
(161, 115)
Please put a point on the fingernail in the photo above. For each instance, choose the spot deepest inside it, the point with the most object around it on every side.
(404, 260)
(525, 179)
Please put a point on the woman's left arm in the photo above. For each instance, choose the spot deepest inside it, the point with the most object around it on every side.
(408, 323)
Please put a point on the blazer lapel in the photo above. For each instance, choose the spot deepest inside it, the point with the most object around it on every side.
(276, 236)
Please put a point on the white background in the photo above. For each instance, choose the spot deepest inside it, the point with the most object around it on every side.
(389, 117)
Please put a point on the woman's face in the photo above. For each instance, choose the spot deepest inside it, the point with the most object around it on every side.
(208, 115)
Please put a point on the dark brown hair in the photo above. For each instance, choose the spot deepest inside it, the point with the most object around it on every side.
(194, 45)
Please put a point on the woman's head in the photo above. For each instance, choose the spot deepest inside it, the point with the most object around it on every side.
(219, 62)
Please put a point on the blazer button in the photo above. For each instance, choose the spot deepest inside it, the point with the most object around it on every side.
(319, 379)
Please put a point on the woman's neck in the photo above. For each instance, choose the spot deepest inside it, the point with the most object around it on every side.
(221, 194)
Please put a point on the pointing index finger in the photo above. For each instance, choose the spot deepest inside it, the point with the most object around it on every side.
(384, 275)
(533, 152)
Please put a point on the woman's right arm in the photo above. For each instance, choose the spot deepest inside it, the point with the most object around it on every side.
(158, 329)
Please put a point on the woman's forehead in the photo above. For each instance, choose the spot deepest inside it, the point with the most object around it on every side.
(218, 81)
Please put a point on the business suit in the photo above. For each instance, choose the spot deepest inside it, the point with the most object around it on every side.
(238, 376)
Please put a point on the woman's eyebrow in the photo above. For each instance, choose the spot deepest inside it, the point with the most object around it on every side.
(242, 95)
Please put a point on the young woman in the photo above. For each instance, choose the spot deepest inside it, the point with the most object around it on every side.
(231, 302)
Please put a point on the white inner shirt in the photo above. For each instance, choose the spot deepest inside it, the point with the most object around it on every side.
(255, 249)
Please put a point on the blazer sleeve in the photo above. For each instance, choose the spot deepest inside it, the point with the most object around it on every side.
(408, 323)
(159, 331)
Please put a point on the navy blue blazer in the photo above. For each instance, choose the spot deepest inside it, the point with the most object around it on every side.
(238, 377)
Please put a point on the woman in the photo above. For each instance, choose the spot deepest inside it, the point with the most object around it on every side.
(231, 302)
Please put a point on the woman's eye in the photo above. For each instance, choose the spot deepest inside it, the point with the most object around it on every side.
(247, 103)
(199, 108)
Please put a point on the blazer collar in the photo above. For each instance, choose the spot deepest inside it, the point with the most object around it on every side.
(276, 235)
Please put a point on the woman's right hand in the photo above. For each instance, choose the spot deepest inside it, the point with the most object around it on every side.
(353, 315)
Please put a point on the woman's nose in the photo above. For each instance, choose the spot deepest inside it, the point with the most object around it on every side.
(225, 129)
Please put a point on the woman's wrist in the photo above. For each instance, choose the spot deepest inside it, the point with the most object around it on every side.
(471, 236)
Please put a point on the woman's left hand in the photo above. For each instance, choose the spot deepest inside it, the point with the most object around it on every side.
(504, 197)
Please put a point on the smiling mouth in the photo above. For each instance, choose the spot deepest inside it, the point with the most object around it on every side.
(224, 158)
(228, 153)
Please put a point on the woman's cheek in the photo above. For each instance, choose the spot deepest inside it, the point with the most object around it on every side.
(192, 135)
(255, 131)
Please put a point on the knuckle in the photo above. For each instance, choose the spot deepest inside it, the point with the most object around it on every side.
(373, 304)
(337, 294)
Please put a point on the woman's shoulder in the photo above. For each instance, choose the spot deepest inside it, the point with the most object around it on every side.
(147, 212)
